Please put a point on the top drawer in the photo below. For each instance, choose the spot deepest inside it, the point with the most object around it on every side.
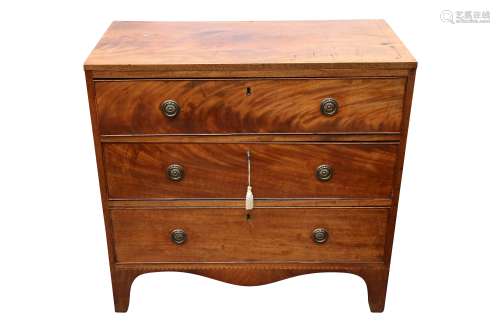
(250, 106)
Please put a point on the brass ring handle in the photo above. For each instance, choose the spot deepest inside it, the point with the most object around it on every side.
(170, 108)
(324, 172)
(175, 172)
(320, 235)
(329, 107)
(178, 236)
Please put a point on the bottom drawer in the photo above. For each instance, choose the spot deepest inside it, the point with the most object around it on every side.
(270, 235)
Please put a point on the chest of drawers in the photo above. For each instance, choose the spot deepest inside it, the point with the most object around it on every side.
(313, 114)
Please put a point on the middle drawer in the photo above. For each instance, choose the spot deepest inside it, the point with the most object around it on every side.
(220, 171)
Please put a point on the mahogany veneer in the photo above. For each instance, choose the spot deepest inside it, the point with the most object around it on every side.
(223, 106)
(271, 235)
(218, 170)
(323, 108)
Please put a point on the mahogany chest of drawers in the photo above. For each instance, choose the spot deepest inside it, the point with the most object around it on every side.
(314, 115)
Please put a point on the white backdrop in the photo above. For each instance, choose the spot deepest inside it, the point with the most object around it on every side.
(54, 275)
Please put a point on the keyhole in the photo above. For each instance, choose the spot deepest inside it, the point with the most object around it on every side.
(249, 91)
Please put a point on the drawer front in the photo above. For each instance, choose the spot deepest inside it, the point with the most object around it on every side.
(219, 171)
(249, 106)
(272, 234)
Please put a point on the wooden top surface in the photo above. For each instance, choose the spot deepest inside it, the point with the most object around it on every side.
(249, 45)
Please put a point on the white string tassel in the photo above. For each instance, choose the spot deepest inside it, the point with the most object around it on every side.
(249, 196)
(249, 199)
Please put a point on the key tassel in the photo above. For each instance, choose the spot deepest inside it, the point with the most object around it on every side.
(249, 199)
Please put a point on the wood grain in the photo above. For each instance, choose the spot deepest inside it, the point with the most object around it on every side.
(398, 168)
(258, 203)
(218, 171)
(224, 235)
(275, 71)
(290, 67)
(252, 274)
(253, 138)
(274, 106)
(237, 45)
